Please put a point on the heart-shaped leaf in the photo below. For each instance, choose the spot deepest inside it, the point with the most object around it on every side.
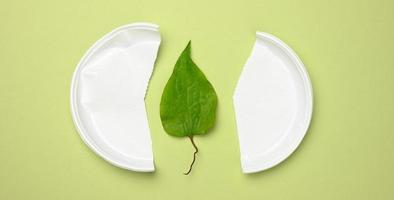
(188, 104)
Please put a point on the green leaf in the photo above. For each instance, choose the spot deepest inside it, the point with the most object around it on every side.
(188, 104)
(189, 101)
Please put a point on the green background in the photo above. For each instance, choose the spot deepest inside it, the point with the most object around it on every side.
(347, 47)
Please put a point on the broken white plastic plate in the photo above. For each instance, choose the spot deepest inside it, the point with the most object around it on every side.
(273, 104)
(107, 96)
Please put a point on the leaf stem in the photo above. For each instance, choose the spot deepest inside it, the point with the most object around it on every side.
(194, 155)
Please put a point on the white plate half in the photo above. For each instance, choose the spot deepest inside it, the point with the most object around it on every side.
(107, 96)
(273, 104)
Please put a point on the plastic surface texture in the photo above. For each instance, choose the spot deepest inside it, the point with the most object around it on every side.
(273, 104)
(107, 96)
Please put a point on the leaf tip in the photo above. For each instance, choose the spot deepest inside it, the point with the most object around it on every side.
(188, 47)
